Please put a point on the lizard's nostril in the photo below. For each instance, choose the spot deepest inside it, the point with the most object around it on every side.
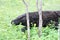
(12, 22)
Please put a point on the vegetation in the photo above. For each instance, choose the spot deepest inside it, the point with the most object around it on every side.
(10, 9)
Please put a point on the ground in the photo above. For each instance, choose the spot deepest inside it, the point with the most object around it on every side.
(10, 9)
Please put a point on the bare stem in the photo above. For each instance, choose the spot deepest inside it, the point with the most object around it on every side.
(39, 7)
(27, 17)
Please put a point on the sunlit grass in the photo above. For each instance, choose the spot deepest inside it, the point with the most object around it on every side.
(10, 9)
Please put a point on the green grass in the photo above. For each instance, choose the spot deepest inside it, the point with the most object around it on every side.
(10, 9)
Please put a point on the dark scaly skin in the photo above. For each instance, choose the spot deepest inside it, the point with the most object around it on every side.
(47, 16)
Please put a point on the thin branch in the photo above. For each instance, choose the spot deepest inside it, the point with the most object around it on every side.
(39, 7)
(27, 17)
